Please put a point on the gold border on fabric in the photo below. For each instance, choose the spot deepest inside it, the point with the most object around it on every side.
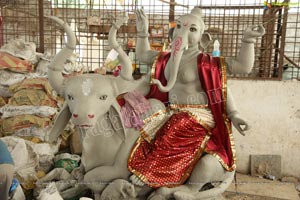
(226, 120)
(224, 81)
(205, 141)
(154, 115)
(200, 121)
(222, 161)
(153, 68)
(143, 132)
(145, 135)
(178, 106)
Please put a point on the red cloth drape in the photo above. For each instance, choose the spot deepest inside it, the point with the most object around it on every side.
(210, 74)
(160, 66)
(169, 158)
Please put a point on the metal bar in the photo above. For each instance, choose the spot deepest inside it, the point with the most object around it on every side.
(291, 61)
(41, 48)
(172, 11)
(277, 43)
(282, 42)
(267, 40)
(231, 7)
(172, 2)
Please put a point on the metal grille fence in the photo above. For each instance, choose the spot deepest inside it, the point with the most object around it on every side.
(277, 53)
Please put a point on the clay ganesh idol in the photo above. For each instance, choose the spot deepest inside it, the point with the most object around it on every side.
(190, 143)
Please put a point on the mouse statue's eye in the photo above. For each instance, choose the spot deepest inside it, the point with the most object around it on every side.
(70, 97)
(193, 29)
(103, 97)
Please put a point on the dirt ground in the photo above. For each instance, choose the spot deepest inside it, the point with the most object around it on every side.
(240, 196)
(254, 188)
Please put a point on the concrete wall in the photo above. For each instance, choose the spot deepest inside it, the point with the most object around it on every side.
(273, 111)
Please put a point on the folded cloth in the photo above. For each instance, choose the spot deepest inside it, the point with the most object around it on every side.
(135, 105)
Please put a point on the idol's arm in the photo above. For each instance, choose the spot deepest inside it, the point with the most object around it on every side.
(244, 62)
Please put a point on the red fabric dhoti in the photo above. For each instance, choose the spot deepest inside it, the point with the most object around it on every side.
(170, 157)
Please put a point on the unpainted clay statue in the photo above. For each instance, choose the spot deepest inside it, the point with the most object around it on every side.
(190, 144)
(91, 104)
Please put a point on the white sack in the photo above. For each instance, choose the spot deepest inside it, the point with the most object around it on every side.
(21, 49)
(50, 193)
(9, 78)
(41, 111)
(36, 132)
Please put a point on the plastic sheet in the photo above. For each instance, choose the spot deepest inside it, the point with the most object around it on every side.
(46, 153)
(67, 161)
(18, 194)
(25, 162)
(50, 193)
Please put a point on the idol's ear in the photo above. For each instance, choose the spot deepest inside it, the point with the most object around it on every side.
(60, 123)
(114, 115)
(205, 40)
(170, 34)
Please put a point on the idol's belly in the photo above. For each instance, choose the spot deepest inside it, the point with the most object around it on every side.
(188, 93)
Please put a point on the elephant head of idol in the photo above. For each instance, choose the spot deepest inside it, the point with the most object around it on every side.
(186, 37)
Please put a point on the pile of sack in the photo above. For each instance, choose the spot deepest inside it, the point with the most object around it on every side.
(27, 99)
(28, 107)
